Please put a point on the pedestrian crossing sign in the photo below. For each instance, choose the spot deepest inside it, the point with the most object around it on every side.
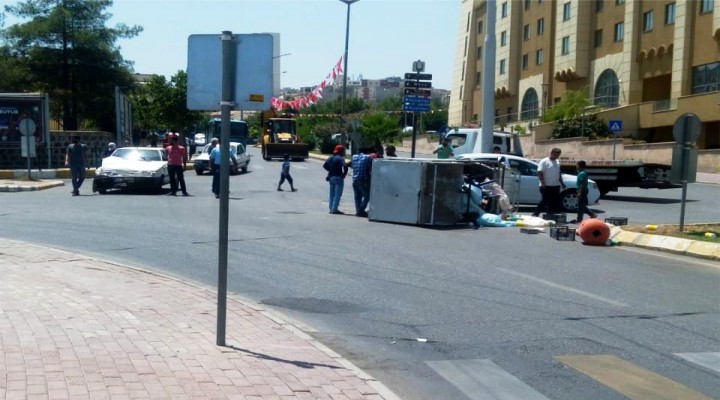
(615, 125)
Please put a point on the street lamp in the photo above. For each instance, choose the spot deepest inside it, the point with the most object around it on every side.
(345, 59)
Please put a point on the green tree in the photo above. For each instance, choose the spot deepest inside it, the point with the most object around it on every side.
(572, 104)
(378, 127)
(163, 104)
(67, 51)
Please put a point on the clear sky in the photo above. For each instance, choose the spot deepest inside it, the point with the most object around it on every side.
(386, 36)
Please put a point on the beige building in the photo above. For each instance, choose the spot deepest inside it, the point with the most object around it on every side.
(642, 62)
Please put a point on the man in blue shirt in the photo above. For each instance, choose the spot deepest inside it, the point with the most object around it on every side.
(361, 181)
(337, 169)
(215, 166)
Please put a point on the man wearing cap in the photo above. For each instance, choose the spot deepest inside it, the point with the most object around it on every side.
(337, 169)
(177, 161)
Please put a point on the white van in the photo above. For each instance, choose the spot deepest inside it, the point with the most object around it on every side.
(461, 140)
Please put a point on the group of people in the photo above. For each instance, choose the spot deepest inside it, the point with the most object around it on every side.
(551, 185)
(361, 164)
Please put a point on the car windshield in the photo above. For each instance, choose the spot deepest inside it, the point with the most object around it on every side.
(138, 154)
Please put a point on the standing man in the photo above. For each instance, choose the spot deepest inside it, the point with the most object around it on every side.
(550, 179)
(215, 167)
(177, 161)
(337, 170)
(361, 181)
(444, 150)
(76, 159)
(582, 193)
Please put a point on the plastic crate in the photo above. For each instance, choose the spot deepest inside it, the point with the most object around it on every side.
(558, 218)
(562, 233)
(617, 221)
(530, 230)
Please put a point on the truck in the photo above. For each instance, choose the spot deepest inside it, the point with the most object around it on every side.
(279, 137)
(609, 175)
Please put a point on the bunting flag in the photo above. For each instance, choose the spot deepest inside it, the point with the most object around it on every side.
(313, 96)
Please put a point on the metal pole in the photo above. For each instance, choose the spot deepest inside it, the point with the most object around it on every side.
(488, 82)
(226, 106)
(414, 137)
(345, 71)
(118, 121)
(683, 169)
(28, 143)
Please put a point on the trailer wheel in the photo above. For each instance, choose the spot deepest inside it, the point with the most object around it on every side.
(568, 199)
(265, 154)
(199, 171)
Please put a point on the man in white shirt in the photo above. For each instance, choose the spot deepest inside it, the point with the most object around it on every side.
(550, 179)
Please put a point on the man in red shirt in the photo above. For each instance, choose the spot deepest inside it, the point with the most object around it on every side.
(177, 159)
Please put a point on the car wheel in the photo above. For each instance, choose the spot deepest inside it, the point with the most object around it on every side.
(244, 169)
(569, 201)
(160, 183)
(102, 191)
(199, 171)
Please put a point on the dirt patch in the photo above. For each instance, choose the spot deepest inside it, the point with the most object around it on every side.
(690, 231)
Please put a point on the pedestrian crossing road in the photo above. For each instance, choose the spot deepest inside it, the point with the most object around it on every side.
(482, 379)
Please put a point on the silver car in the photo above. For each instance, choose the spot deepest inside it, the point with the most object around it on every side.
(524, 174)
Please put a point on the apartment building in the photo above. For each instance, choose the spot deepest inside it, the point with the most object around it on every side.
(642, 62)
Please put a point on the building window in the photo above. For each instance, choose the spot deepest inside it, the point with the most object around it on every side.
(462, 76)
(599, 5)
(670, 14)
(607, 90)
(509, 116)
(466, 46)
(502, 67)
(478, 78)
(526, 32)
(598, 38)
(527, 4)
(619, 31)
(706, 6)
(706, 78)
(540, 1)
(460, 93)
(467, 29)
(539, 57)
(529, 106)
(480, 27)
(525, 61)
(504, 10)
(503, 38)
(565, 45)
(566, 12)
(479, 52)
(647, 21)
(540, 26)
(618, 2)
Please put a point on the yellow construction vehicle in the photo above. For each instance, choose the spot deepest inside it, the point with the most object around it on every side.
(280, 137)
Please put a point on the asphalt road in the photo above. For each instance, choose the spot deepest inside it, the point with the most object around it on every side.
(432, 313)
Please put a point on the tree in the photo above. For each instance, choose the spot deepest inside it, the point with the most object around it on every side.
(572, 104)
(378, 127)
(66, 50)
(163, 104)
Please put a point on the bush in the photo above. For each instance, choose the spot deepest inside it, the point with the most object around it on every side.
(594, 128)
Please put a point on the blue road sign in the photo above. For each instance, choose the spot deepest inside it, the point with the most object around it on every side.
(416, 108)
(615, 125)
(416, 100)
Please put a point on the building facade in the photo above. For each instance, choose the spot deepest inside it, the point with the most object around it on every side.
(642, 62)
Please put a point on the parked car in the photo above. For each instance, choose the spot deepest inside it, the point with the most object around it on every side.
(201, 163)
(525, 173)
(132, 168)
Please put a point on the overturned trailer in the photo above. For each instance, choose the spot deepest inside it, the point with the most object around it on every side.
(420, 191)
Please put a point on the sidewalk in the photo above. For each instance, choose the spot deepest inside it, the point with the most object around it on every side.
(73, 327)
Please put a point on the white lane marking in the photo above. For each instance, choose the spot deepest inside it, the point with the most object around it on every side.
(299, 167)
(565, 288)
(258, 166)
(484, 380)
(707, 360)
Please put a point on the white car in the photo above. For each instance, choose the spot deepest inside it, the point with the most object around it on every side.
(201, 163)
(200, 139)
(132, 168)
(524, 173)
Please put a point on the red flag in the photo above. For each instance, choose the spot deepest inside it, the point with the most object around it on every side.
(338, 67)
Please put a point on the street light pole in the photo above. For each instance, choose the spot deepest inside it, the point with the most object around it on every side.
(345, 61)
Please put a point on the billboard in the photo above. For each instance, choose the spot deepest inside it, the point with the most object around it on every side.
(13, 109)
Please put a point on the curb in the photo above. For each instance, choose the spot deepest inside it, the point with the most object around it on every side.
(669, 244)
(14, 186)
